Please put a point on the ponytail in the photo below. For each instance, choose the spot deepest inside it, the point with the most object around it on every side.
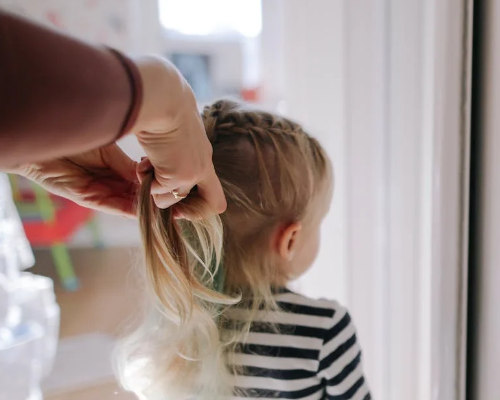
(177, 353)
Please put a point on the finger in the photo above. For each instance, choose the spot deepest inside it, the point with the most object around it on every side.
(117, 160)
(120, 206)
(165, 200)
(144, 165)
(143, 168)
(158, 188)
(211, 190)
(180, 188)
(168, 199)
(113, 197)
(126, 207)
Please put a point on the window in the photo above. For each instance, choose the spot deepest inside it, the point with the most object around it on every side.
(202, 17)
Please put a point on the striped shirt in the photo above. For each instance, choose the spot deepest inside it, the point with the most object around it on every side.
(313, 354)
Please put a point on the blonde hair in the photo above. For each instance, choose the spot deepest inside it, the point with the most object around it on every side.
(197, 270)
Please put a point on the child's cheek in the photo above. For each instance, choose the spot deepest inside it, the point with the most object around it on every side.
(307, 254)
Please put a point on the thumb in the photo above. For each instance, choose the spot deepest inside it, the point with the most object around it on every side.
(211, 190)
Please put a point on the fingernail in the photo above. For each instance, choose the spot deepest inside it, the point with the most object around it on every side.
(145, 165)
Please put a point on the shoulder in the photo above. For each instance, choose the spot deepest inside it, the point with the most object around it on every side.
(333, 318)
(331, 312)
(340, 358)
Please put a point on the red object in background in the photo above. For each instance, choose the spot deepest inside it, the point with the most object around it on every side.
(68, 218)
(250, 95)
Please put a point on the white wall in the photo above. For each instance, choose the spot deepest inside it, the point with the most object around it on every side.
(146, 31)
(306, 62)
(101, 21)
(272, 53)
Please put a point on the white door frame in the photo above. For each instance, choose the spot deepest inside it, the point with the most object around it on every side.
(407, 120)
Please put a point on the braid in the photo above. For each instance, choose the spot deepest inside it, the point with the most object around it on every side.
(226, 117)
(268, 141)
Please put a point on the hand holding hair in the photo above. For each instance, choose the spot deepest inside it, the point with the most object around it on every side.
(172, 133)
(59, 121)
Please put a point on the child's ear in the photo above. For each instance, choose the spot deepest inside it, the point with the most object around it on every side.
(287, 240)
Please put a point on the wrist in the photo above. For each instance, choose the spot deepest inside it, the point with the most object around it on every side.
(164, 92)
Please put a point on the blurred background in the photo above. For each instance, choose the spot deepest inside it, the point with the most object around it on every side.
(361, 76)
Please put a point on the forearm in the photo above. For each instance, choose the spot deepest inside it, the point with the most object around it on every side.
(60, 96)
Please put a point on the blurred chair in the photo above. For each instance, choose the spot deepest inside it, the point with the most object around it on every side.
(50, 221)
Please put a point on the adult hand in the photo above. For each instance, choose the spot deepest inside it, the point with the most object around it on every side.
(170, 130)
(103, 179)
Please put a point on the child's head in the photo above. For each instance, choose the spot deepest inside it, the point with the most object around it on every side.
(277, 180)
(278, 183)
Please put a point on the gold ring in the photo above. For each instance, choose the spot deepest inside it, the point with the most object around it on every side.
(177, 196)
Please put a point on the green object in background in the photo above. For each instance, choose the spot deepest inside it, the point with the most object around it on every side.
(44, 208)
(60, 254)
(96, 233)
(44, 203)
(64, 266)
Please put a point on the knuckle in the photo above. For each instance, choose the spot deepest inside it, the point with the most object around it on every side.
(160, 201)
(209, 150)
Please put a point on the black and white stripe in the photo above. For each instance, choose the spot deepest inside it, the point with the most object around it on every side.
(310, 352)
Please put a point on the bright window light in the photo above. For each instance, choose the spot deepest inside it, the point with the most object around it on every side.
(207, 17)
